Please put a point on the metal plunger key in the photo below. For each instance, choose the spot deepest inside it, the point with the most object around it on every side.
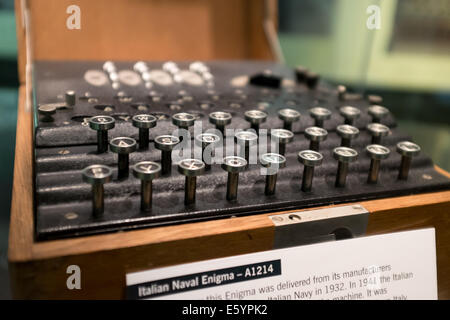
(315, 135)
(408, 150)
(344, 155)
(377, 113)
(183, 120)
(347, 134)
(310, 159)
(123, 146)
(272, 162)
(146, 171)
(102, 124)
(191, 168)
(220, 119)
(289, 116)
(377, 131)
(97, 175)
(349, 113)
(282, 137)
(233, 165)
(205, 140)
(166, 143)
(255, 117)
(144, 122)
(319, 115)
(376, 153)
(246, 139)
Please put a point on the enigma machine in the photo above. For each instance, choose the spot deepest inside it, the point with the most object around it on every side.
(127, 145)
(136, 151)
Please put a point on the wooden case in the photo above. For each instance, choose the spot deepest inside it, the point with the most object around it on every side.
(223, 29)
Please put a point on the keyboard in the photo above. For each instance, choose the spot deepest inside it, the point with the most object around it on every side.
(127, 145)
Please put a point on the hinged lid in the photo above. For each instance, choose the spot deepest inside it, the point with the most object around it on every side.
(143, 30)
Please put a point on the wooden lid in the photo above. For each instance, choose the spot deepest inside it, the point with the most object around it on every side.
(142, 30)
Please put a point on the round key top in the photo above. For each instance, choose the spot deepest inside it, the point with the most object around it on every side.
(144, 122)
(97, 175)
(350, 114)
(183, 120)
(255, 117)
(376, 153)
(377, 113)
(220, 119)
(283, 137)
(146, 171)
(272, 162)
(191, 168)
(377, 131)
(122, 145)
(407, 150)
(47, 110)
(102, 124)
(288, 116)
(344, 155)
(315, 135)
(347, 134)
(319, 115)
(309, 159)
(233, 165)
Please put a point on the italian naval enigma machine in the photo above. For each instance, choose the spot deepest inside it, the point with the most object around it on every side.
(127, 145)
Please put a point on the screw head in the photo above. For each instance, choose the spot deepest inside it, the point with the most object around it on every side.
(349, 112)
(183, 119)
(146, 170)
(272, 161)
(144, 121)
(246, 138)
(316, 133)
(347, 131)
(191, 167)
(205, 139)
(320, 113)
(378, 112)
(408, 149)
(122, 145)
(102, 122)
(378, 129)
(310, 158)
(377, 152)
(289, 115)
(220, 118)
(234, 164)
(255, 116)
(166, 142)
(97, 174)
(282, 135)
(344, 154)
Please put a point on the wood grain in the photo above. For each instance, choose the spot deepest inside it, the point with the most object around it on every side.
(145, 30)
(37, 270)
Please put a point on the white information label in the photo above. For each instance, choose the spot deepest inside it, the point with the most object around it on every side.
(390, 266)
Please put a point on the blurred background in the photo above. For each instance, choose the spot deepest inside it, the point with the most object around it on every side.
(406, 61)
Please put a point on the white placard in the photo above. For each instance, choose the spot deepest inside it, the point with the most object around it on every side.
(390, 266)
